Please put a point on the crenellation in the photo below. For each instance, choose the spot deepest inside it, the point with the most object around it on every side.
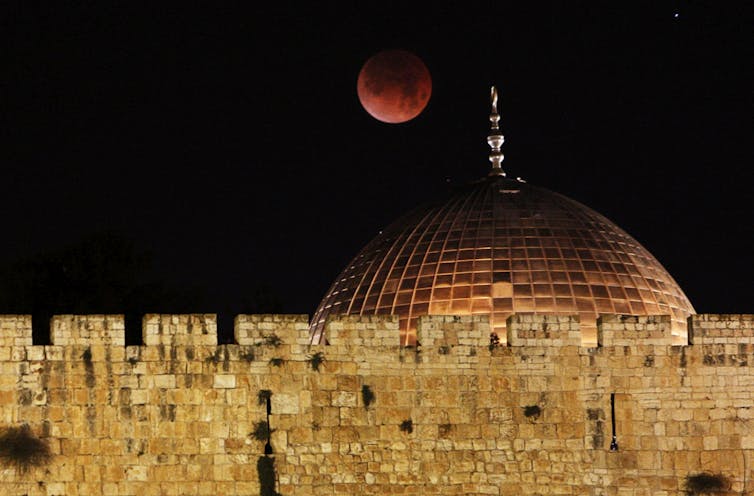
(187, 329)
(370, 331)
(451, 415)
(630, 330)
(264, 329)
(453, 330)
(721, 328)
(543, 330)
(86, 330)
(15, 330)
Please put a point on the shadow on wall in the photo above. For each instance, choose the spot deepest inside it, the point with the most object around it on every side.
(266, 471)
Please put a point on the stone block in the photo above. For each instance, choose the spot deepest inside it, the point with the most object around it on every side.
(543, 330)
(164, 381)
(270, 329)
(15, 330)
(283, 404)
(453, 330)
(721, 329)
(633, 330)
(371, 331)
(184, 329)
(225, 381)
(88, 330)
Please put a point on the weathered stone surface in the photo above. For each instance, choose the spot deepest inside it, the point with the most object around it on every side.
(456, 415)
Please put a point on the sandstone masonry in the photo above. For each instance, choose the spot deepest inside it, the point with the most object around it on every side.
(181, 415)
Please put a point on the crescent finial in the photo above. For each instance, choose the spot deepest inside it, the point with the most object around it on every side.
(495, 139)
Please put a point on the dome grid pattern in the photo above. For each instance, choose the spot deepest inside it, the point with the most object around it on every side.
(497, 248)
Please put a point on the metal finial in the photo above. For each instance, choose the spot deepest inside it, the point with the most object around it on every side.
(494, 117)
(495, 139)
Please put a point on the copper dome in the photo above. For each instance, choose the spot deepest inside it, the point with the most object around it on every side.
(500, 247)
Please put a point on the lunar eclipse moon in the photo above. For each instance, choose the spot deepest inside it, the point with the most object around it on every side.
(394, 86)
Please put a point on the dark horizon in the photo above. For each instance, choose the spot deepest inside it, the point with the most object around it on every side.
(228, 146)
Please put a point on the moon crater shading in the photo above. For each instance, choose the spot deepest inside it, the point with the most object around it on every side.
(394, 86)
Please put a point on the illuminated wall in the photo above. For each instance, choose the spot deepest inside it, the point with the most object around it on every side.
(456, 415)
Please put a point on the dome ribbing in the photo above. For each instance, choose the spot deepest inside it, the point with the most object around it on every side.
(500, 247)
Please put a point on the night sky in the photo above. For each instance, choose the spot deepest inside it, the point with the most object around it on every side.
(226, 144)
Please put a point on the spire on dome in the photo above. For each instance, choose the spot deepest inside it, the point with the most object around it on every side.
(495, 139)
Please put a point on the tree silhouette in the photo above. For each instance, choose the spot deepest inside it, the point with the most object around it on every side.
(103, 273)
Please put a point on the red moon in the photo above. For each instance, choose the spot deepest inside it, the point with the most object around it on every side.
(394, 86)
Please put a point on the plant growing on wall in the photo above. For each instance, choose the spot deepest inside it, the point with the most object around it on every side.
(22, 450)
(87, 355)
(532, 412)
(218, 356)
(316, 360)
(247, 355)
(367, 396)
(706, 483)
(261, 431)
(494, 341)
(263, 396)
(276, 362)
(407, 426)
(273, 340)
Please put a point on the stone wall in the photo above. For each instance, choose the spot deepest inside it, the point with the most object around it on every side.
(182, 415)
